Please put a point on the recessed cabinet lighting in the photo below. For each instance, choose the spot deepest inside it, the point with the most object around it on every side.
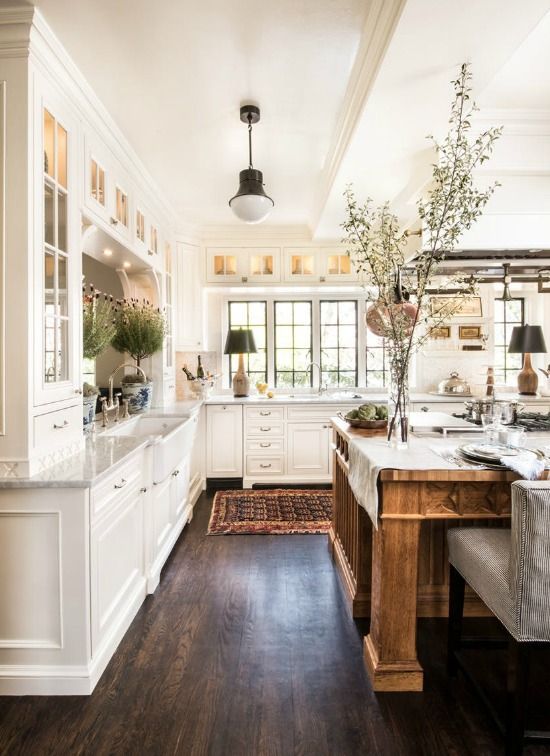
(127, 264)
(108, 252)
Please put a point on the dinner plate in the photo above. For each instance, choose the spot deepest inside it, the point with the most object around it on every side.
(490, 452)
(479, 461)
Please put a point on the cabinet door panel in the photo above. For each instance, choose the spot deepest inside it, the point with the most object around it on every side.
(224, 431)
(188, 298)
(57, 258)
(117, 565)
(162, 515)
(308, 449)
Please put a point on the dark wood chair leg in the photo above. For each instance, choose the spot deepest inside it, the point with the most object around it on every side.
(518, 678)
(456, 610)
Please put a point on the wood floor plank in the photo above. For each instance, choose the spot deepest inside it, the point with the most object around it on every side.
(247, 649)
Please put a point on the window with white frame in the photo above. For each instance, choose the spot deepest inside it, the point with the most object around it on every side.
(292, 333)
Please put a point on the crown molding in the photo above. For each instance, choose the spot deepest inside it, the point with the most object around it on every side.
(248, 235)
(378, 29)
(516, 121)
(24, 32)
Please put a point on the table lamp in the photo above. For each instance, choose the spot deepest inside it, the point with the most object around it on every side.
(527, 340)
(241, 342)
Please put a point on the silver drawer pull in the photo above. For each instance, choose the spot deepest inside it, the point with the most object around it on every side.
(265, 414)
(264, 466)
(326, 426)
(122, 483)
(60, 427)
(143, 490)
(175, 473)
(265, 446)
(265, 429)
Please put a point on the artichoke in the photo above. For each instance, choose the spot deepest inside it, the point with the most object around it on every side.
(382, 412)
(352, 415)
(367, 412)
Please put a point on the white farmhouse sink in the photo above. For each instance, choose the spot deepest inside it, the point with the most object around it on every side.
(171, 439)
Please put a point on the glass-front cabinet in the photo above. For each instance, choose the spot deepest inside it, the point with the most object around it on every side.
(243, 264)
(57, 272)
(336, 265)
(169, 307)
(300, 264)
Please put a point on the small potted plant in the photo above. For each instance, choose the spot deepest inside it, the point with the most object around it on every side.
(140, 331)
(98, 329)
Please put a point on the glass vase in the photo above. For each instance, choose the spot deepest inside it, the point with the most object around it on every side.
(399, 409)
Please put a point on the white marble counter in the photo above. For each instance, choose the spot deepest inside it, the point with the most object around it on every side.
(101, 454)
(359, 397)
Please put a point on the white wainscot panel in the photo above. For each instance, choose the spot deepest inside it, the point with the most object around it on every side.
(31, 588)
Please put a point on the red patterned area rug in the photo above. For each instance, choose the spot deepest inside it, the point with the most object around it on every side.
(272, 512)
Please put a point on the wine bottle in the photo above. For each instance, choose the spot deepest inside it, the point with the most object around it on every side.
(188, 373)
(200, 369)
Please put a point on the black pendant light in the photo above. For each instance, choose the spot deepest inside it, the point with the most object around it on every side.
(251, 204)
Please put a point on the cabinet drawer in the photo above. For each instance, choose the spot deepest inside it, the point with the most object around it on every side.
(127, 478)
(317, 412)
(57, 428)
(268, 465)
(259, 414)
(447, 407)
(265, 428)
(269, 446)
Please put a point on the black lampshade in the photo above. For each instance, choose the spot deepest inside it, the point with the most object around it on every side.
(240, 341)
(527, 339)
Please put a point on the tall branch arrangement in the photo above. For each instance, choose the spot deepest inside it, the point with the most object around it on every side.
(375, 242)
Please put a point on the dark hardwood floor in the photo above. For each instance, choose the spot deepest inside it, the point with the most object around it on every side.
(247, 649)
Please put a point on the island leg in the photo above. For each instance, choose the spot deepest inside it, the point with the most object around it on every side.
(390, 647)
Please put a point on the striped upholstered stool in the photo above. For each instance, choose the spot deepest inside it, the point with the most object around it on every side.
(510, 572)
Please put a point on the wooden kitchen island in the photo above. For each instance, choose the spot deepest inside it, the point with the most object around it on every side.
(400, 571)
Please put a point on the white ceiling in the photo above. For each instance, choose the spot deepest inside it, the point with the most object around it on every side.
(174, 73)
(524, 80)
(389, 157)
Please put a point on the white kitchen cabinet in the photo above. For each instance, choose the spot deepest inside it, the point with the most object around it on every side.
(308, 447)
(263, 264)
(117, 564)
(243, 264)
(301, 264)
(188, 303)
(335, 265)
(226, 264)
(57, 251)
(224, 441)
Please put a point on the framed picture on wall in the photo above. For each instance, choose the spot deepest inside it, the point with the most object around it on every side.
(467, 308)
(441, 332)
(469, 332)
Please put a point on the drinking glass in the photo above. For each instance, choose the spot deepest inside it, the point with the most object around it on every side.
(490, 426)
(515, 435)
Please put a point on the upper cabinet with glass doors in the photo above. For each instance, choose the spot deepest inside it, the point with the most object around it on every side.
(57, 274)
(336, 265)
(243, 264)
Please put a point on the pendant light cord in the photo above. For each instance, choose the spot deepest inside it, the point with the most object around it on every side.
(250, 140)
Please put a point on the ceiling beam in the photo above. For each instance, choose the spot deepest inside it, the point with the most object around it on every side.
(380, 23)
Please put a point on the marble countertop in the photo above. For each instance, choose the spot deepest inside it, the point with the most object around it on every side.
(101, 455)
(362, 397)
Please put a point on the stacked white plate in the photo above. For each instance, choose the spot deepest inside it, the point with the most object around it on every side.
(489, 455)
